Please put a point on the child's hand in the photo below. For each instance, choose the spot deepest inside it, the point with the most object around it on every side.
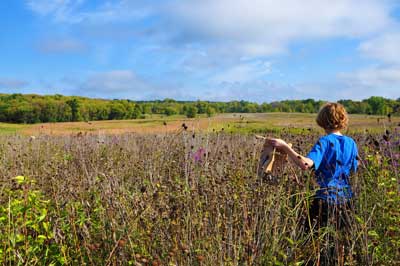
(277, 143)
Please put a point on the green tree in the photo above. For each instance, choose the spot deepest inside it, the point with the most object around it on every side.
(117, 111)
(169, 110)
(377, 104)
(191, 111)
(74, 104)
(210, 111)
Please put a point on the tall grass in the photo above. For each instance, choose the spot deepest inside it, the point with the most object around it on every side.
(183, 199)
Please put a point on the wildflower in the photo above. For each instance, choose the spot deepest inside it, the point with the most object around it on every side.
(198, 155)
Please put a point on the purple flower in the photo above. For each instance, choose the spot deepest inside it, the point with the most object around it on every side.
(198, 155)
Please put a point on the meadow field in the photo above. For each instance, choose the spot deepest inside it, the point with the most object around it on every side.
(177, 191)
(232, 123)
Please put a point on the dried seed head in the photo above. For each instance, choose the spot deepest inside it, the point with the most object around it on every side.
(376, 143)
(121, 243)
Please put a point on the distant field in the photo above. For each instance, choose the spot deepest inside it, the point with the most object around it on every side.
(242, 123)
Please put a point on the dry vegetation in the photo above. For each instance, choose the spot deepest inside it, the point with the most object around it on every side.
(182, 199)
(237, 123)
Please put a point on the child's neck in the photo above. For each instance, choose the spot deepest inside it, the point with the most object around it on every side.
(336, 132)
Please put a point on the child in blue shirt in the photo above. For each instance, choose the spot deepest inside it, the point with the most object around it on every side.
(333, 158)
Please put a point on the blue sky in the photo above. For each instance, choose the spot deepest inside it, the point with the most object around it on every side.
(259, 50)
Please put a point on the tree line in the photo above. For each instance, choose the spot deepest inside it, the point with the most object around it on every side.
(32, 108)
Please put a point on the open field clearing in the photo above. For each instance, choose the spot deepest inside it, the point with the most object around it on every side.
(184, 199)
(237, 123)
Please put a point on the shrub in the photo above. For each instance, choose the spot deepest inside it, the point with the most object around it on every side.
(26, 234)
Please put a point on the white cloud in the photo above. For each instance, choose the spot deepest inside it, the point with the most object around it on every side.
(256, 91)
(115, 82)
(11, 83)
(60, 10)
(376, 80)
(124, 84)
(382, 78)
(63, 45)
(268, 91)
(265, 27)
(243, 72)
(73, 11)
(384, 48)
(251, 28)
(45, 7)
(379, 77)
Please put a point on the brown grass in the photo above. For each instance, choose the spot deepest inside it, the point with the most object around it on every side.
(135, 199)
(260, 121)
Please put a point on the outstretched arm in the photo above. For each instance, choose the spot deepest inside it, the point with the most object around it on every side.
(301, 161)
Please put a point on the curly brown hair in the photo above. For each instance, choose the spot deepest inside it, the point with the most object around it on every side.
(332, 117)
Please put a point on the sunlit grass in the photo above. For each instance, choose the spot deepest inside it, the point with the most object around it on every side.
(233, 123)
(6, 128)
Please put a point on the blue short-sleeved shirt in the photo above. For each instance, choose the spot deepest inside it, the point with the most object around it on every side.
(335, 158)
